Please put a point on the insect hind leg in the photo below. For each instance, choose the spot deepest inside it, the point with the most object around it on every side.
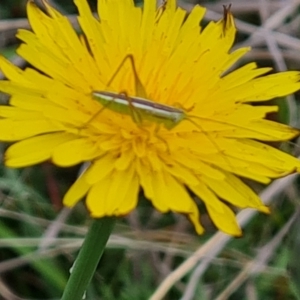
(139, 88)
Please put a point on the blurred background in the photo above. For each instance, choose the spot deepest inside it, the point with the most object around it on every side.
(39, 239)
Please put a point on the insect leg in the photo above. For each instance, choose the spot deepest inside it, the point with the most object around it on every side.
(139, 88)
(94, 116)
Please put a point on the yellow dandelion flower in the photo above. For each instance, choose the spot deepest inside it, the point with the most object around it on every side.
(53, 114)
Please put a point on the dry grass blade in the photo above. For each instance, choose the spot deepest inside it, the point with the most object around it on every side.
(257, 265)
(216, 244)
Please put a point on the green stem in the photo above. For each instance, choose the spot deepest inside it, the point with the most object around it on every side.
(88, 258)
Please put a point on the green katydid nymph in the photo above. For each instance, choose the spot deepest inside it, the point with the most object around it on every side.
(139, 108)
(142, 109)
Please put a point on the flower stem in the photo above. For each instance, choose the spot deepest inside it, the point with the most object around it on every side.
(88, 258)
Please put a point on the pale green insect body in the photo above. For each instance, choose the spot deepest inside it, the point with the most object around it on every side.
(140, 108)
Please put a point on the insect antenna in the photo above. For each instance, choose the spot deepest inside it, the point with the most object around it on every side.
(227, 18)
(160, 10)
(210, 138)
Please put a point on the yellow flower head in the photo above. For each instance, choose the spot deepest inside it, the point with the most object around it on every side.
(54, 115)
